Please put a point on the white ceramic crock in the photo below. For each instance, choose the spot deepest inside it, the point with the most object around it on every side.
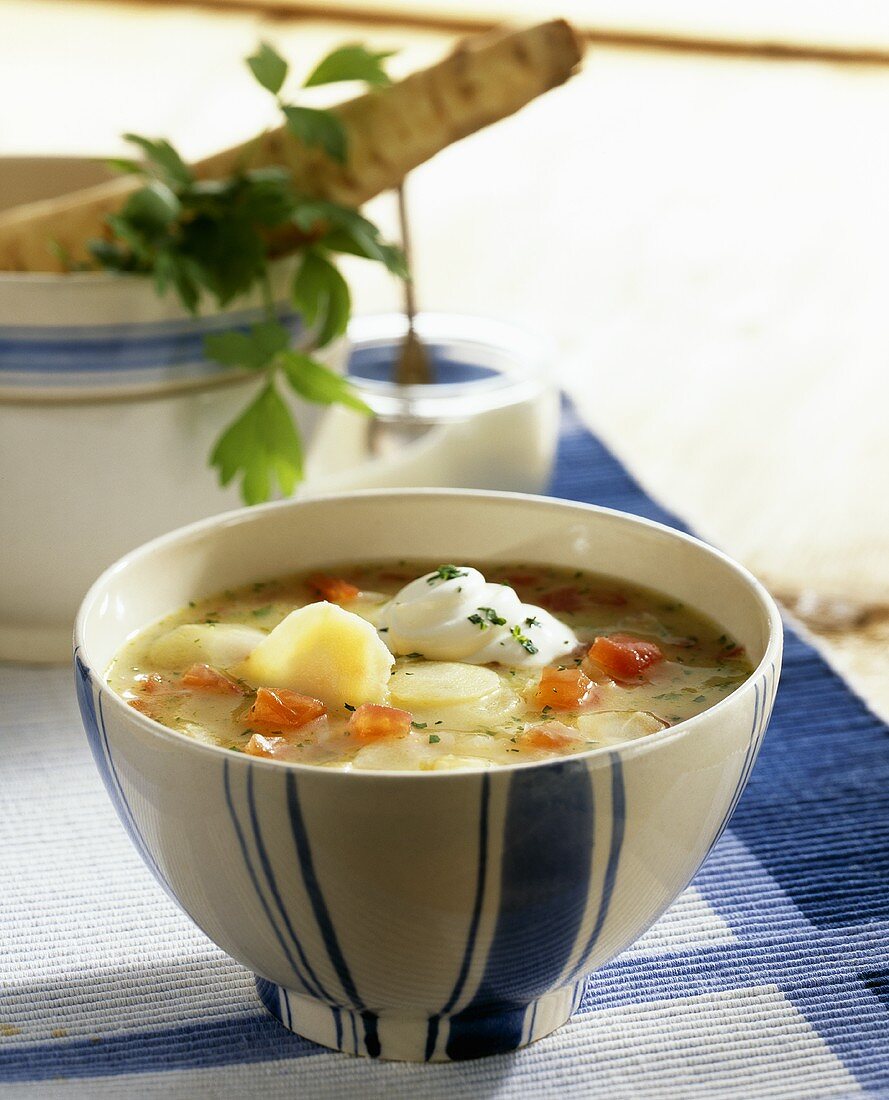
(424, 916)
(102, 384)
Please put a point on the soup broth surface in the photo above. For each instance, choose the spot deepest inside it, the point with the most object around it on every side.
(642, 662)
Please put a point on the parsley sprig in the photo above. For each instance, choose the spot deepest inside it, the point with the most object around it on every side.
(212, 238)
(446, 573)
(487, 616)
(523, 640)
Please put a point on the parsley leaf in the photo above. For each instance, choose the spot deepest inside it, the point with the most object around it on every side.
(150, 211)
(488, 617)
(322, 296)
(269, 68)
(162, 159)
(254, 351)
(212, 238)
(315, 382)
(263, 446)
(446, 573)
(348, 231)
(524, 642)
(317, 128)
(351, 62)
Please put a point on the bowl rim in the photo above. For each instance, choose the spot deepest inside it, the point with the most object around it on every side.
(771, 657)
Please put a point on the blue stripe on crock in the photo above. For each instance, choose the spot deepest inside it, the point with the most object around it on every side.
(481, 873)
(322, 916)
(544, 883)
(254, 878)
(73, 349)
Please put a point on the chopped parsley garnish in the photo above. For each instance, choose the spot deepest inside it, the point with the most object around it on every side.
(487, 617)
(446, 573)
(419, 725)
(523, 640)
(532, 622)
(434, 738)
(261, 610)
(348, 706)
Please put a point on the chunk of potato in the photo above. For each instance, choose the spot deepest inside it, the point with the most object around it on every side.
(425, 684)
(400, 754)
(613, 726)
(450, 763)
(218, 644)
(323, 651)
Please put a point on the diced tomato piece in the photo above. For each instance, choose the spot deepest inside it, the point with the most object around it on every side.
(334, 589)
(520, 579)
(279, 709)
(563, 599)
(609, 599)
(155, 684)
(735, 651)
(205, 678)
(550, 735)
(373, 722)
(141, 705)
(624, 657)
(258, 745)
(151, 684)
(565, 688)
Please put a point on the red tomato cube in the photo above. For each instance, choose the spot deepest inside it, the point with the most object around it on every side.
(205, 678)
(279, 709)
(553, 736)
(334, 589)
(374, 722)
(565, 688)
(624, 657)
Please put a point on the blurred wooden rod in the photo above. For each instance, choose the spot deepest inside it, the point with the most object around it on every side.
(465, 22)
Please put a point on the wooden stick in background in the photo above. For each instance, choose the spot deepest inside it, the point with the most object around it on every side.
(390, 131)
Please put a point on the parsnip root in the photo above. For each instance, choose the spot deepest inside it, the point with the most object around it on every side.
(390, 131)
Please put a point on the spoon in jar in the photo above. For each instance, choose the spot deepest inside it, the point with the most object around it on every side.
(412, 367)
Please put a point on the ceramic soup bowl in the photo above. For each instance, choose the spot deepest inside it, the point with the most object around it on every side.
(428, 915)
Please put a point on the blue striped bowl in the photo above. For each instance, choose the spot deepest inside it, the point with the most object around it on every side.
(424, 916)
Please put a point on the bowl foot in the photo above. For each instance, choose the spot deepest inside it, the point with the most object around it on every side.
(445, 1038)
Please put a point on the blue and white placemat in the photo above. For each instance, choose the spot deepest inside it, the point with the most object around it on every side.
(768, 978)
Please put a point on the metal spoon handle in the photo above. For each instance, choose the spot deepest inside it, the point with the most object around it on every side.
(412, 366)
(410, 303)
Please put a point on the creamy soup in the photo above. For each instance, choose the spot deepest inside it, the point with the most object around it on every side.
(419, 666)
